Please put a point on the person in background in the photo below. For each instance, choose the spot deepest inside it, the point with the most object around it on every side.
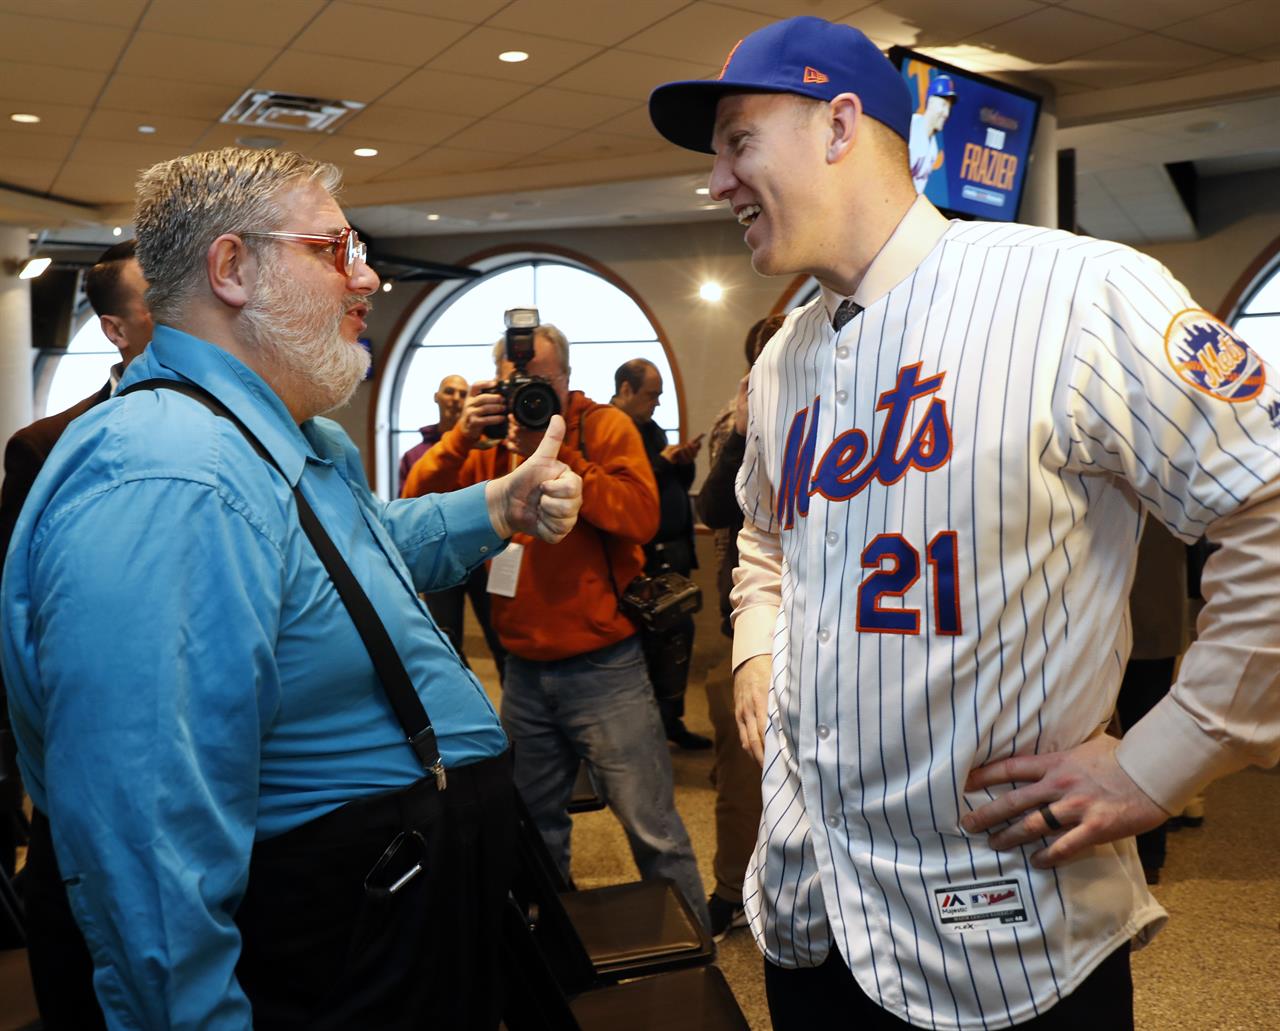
(637, 390)
(447, 606)
(735, 773)
(576, 686)
(115, 289)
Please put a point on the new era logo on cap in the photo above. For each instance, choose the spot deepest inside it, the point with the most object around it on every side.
(806, 56)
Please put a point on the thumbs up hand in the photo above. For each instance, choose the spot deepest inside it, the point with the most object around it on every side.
(541, 497)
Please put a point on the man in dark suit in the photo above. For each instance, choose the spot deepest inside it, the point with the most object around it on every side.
(115, 288)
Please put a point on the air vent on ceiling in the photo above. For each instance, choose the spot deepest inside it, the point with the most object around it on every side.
(270, 110)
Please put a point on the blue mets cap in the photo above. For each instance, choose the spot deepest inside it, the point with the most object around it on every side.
(942, 86)
(806, 56)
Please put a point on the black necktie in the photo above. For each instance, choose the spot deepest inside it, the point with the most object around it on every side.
(847, 310)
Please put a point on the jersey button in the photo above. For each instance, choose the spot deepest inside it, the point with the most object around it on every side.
(824, 636)
(842, 352)
(484, 549)
(824, 731)
(833, 821)
(842, 396)
(833, 538)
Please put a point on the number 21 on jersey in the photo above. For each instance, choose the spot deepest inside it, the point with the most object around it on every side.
(895, 568)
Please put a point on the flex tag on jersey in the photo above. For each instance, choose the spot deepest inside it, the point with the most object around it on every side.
(1205, 353)
(985, 906)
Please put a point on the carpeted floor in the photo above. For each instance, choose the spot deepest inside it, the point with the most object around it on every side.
(1215, 967)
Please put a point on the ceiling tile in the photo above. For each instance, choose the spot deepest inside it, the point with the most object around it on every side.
(832, 10)
(1130, 61)
(28, 173)
(171, 130)
(196, 60)
(547, 106)
(443, 161)
(473, 11)
(1238, 30)
(55, 119)
(589, 146)
(167, 96)
(48, 147)
(63, 44)
(702, 32)
(502, 137)
(1147, 14)
(96, 184)
(604, 22)
(55, 85)
(403, 125)
(340, 78)
(1052, 35)
(121, 13)
(376, 34)
(237, 21)
(635, 122)
(618, 73)
(429, 90)
(127, 152)
(935, 22)
(478, 53)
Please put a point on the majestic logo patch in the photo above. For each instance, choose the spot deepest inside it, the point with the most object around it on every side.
(980, 907)
(1206, 354)
(813, 75)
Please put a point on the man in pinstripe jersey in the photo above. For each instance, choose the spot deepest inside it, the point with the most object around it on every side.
(949, 459)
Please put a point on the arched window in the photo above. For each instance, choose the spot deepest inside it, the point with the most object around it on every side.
(454, 330)
(1257, 316)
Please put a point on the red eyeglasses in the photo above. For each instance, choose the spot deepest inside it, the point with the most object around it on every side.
(347, 246)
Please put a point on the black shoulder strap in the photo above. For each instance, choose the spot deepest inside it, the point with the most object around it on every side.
(386, 660)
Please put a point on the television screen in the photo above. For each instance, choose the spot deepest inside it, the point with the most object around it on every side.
(970, 138)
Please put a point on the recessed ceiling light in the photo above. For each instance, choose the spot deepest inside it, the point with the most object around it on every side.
(1214, 125)
(25, 119)
(146, 130)
(365, 152)
(433, 218)
(513, 56)
(712, 207)
(386, 287)
(116, 230)
(703, 191)
(710, 291)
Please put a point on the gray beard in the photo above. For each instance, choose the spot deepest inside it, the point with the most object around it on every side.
(300, 342)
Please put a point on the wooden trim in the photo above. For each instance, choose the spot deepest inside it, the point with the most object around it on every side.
(788, 295)
(1247, 278)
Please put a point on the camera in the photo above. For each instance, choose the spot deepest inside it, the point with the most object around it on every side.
(531, 399)
(655, 604)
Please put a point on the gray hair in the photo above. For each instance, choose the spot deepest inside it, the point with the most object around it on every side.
(558, 340)
(187, 203)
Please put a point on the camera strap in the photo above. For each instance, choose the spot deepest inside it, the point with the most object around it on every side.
(395, 680)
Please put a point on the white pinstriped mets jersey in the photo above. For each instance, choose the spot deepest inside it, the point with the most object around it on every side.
(953, 484)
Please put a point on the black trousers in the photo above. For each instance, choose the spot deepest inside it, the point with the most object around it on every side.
(1145, 682)
(804, 999)
(319, 949)
(667, 656)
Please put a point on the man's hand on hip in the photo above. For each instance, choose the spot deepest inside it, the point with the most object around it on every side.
(751, 702)
(541, 496)
(1089, 798)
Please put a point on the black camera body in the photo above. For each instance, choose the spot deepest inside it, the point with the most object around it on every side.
(656, 604)
(531, 399)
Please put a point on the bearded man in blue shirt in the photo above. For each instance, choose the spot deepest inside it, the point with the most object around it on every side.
(245, 834)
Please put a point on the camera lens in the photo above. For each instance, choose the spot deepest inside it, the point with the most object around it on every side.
(534, 404)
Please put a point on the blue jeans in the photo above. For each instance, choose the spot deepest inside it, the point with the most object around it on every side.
(599, 707)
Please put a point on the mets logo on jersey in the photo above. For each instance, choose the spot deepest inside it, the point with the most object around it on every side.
(1207, 355)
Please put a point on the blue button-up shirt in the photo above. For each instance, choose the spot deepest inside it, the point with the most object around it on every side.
(183, 677)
